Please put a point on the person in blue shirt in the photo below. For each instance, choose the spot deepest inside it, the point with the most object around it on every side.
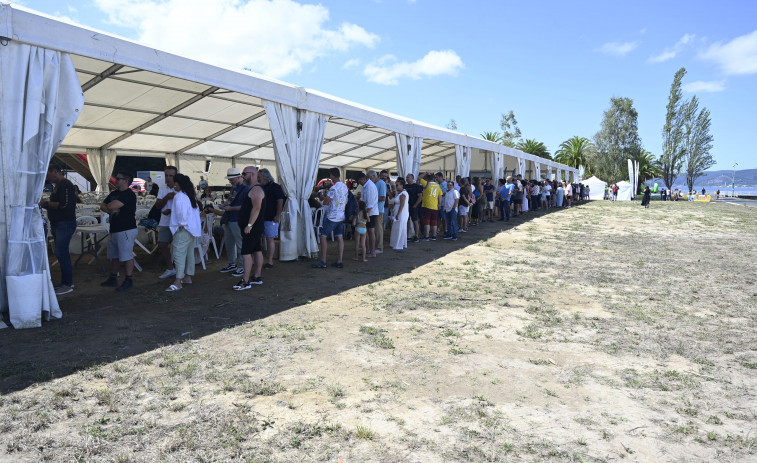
(505, 194)
(489, 190)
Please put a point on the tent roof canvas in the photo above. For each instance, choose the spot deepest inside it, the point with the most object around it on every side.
(146, 102)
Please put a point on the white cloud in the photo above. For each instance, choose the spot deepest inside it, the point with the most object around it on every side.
(617, 49)
(702, 86)
(739, 56)
(671, 52)
(353, 63)
(387, 70)
(273, 37)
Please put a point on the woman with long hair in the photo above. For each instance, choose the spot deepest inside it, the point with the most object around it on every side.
(185, 227)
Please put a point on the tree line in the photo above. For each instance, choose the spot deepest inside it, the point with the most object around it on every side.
(686, 141)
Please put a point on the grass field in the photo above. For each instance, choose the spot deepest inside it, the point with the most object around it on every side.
(605, 332)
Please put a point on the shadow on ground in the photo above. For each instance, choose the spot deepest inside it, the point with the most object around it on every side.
(100, 325)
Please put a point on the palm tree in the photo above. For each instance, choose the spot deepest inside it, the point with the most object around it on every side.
(649, 166)
(534, 147)
(492, 136)
(575, 152)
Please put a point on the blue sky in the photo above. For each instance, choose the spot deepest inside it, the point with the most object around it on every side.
(555, 63)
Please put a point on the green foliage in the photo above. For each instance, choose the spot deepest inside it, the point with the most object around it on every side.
(510, 130)
(452, 124)
(534, 147)
(649, 166)
(574, 152)
(617, 141)
(671, 159)
(697, 141)
(492, 136)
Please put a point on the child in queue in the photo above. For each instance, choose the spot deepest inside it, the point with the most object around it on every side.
(359, 223)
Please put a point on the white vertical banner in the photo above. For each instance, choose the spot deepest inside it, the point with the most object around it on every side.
(462, 160)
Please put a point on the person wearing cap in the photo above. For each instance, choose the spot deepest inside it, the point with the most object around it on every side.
(232, 234)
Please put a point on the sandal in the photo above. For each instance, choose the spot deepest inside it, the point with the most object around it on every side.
(173, 288)
(186, 282)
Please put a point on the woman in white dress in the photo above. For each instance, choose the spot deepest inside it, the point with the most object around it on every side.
(400, 214)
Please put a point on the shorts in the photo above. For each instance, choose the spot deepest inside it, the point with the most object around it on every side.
(462, 210)
(251, 241)
(270, 229)
(164, 234)
(430, 216)
(361, 230)
(414, 213)
(121, 245)
(372, 221)
(490, 204)
(329, 226)
(517, 200)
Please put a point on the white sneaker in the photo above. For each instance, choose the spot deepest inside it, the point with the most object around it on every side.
(63, 289)
(378, 251)
(167, 274)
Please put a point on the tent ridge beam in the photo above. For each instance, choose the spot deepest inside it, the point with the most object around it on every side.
(237, 156)
(161, 117)
(101, 77)
(221, 132)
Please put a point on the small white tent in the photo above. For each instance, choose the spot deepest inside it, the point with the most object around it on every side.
(596, 187)
(624, 191)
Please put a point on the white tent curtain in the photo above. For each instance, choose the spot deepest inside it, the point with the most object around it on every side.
(537, 169)
(217, 172)
(101, 164)
(40, 99)
(462, 160)
(297, 156)
(193, 167)
(498, 165)
(521, 167)
(408, 162)
(172, 160)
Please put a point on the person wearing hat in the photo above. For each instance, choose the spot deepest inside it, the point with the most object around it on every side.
(232, 235)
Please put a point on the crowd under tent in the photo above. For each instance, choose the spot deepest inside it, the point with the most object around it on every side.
(71, 89)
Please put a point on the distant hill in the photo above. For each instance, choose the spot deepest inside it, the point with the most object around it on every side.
(719, 178)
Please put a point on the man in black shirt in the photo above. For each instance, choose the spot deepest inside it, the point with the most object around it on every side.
(415, 197)
(61, 211)
(121, 205)
(274, 196)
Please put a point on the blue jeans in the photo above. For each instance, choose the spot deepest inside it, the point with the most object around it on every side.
(504, 209)
(62, 232)
(451, 218)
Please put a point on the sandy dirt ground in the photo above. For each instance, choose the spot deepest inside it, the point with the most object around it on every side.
(604, 332)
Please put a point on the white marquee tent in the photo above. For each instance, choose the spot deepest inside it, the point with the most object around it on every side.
(141, 101)
(596, 187)
(624, 191)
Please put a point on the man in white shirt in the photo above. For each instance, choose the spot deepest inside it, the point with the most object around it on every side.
(335, 202)
(165, 202)
(370, 197)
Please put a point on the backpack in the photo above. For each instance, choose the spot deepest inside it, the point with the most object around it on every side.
(350, 209)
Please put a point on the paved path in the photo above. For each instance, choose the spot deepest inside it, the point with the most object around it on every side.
(738, 201)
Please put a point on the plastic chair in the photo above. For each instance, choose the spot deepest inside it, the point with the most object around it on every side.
(207, 230)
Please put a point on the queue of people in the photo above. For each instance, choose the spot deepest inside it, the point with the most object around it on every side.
(425, 209)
